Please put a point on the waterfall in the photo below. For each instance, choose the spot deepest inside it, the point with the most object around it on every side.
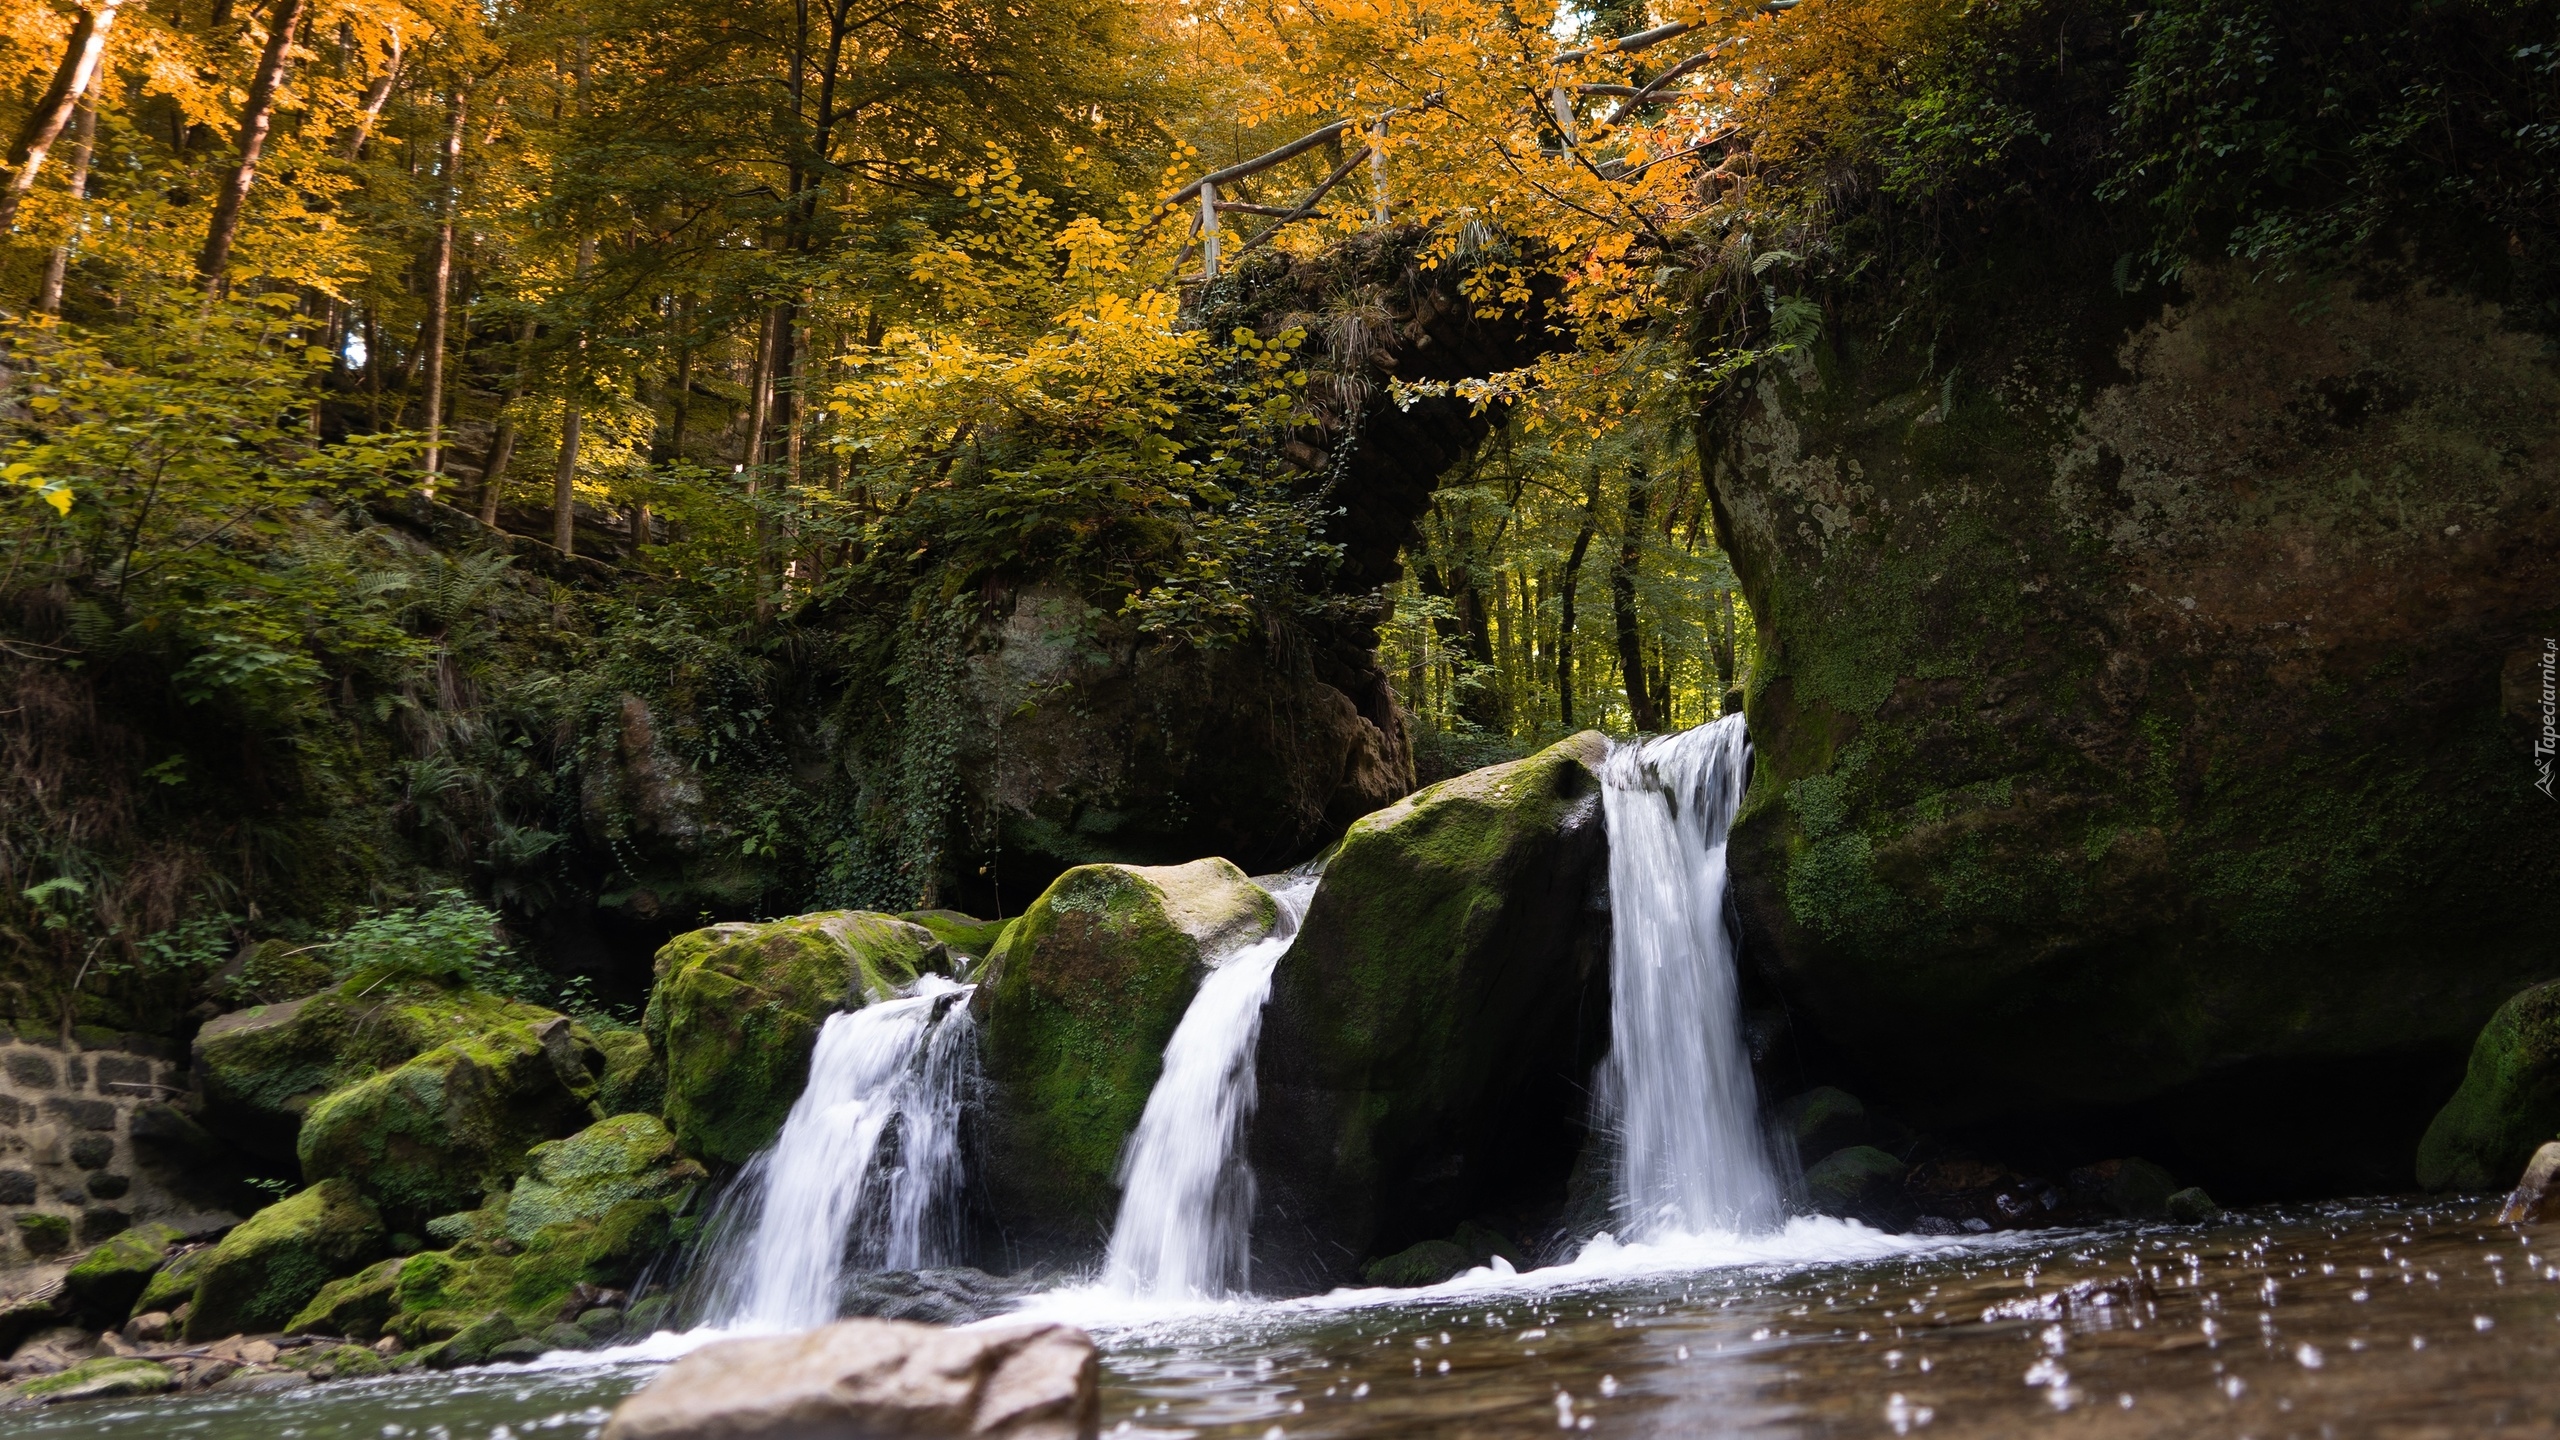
(1186, 1204)
(1677, 1084)
(867, 1165)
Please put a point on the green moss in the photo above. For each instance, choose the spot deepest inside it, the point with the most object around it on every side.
(964, 935)
(1428, 1263)
(354, 1307)
(108, 1377)
(634, 1081)
(441, 1291)
(628, 1157)
(2509, 1103)
(44, 1234)
(174, 1283)
(1080, 1000)
(454, 1123)
(736, 1009)
(265, 1271)
(102, 1287)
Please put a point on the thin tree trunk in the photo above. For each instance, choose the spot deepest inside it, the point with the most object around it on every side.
(1564, 618)
(759, 415)
(564, 485)
(72, 80)
(502, 444)
(351, 143)
(684, 393)
(256, 118)
(440, 285)
(1622, 600)
(57, 267)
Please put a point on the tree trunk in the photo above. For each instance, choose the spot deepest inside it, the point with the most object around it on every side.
(57, 267)
(1622, 600)
(376, 95)
(72, 80)
(1564, 618)
(502, 444)
(440, 288)
(255, 119)
(564, 485)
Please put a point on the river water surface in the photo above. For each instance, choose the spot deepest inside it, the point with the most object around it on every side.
(2344, 1320)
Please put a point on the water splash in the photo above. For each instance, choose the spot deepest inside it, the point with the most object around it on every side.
(866, 1169)
(1677, 1084)
(1186, 1207)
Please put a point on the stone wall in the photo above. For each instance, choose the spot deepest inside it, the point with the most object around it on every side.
(89, 1141)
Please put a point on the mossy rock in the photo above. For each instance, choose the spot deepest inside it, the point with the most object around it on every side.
(262, 1068)
(1078, 1003)
(2135, 1189)
(44, 1234)
(354, 1307)
(1822, 1120)
(101, 1288)
(1860, 1183)
(1430, 1034)
(1428, 1263)
(2509, 1102)
(265, 1271)
(736, 1010)
(634, 1080)
(337, 1362)
(109, 1377)
(627, 1157)
(174, 1283)
(964, 935)
(440, 1292)
(457, 1121)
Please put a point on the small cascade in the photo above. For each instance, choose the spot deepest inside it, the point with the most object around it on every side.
(866, 1169)
(1186, 1206)
(1677, 1084)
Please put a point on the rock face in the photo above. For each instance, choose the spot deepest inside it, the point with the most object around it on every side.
(875, 1377)
(1430, 1033)
(268, 1269)
(2509, 1103)
(2129, 733)
(1078, 1002)
(437, 1133)
(736, 1011)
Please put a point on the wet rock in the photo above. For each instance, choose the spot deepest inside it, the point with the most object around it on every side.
(1861, 1183)
(264, 1272)
(1077, 1005)
(1429, 1036)
(645, 1317)
(954, 1296)
(1428, 1263)
(441, 1292)
(2536, 1197)
(455, 1122)
(1823, 1120)
(876, 1377)
(148, 1328)
(250, 1380)
(2192, 1206)
(105, 1378)
(2509, 1101)
(355, 1306)
(54, 1348)
(1980, 1196)
(965, 935)
(1484, 1245)
(2133, 1189)
(736, 1010)
(565, 1337)
(474, 1344)
(601, 1325)
(103, 1286)
(633, 1080)
(626, 1157)
(174, 1283)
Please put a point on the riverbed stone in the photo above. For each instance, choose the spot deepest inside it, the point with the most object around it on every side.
(109, 1377)
(2508, 1103)
(1823, 1120)
(1031, 1381)
(265, 1271)
(262, 1068)
(1861, 1183)
(736, 1008)
(455, 1122)
(1078, 1003)
(1428, 1263)
(1430, 1035)
(103, 1285)
(2192, 1206)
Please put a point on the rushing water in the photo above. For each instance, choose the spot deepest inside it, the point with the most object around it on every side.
(1186, 1207)
(1677, 1086)
(867, 1164)
(2345, 1320)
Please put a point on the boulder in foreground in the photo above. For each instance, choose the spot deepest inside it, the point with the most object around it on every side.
(875, 1377)
(2509, 1102)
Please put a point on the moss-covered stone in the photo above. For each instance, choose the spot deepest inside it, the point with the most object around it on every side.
(1078, 1003)
(265, 1271)
(634, 1080)
(441, 1291)
(103, 1285)
(261, 1069)
(1860, 1183)
(109, 1377)
(454, 1123)
(1428, 1263)
(627, 1157)
(2128, 725)
(354, 1307)
(963, 935)
(174, 1283)
(44, 1234)
(1430, 1034)
(2509, 1102)
(736, 1009)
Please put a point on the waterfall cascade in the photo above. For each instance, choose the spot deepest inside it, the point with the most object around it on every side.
(1677, 1084)
(1186, 1206)
(867, 1166)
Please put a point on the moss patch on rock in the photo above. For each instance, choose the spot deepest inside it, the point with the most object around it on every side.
(633, 1081)
(109, 1377)
(354, 1306)
(454, 1123)
(441, 1292)
(965, 935)
(2509, 1103)
(103, 1285)
(264, 1272)
(736, 1010)
(174, 1283)
(1078, 1004)
(581, 1178)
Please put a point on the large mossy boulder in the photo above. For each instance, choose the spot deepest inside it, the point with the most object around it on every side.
(2140, 721)
(439, 1294)
(1078, 1003)
(260, 1069)
(2509, 1103)
(1430, 1034)
(627, 1157)
(267, 1269)
(455, 1123)
(736, 1010)
(101, 1287)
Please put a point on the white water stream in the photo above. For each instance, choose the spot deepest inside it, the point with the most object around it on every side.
(1677, 1084)
(1186, 1207)
(867, 1166)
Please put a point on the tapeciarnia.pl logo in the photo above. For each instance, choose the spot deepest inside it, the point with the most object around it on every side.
(2549, 740)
